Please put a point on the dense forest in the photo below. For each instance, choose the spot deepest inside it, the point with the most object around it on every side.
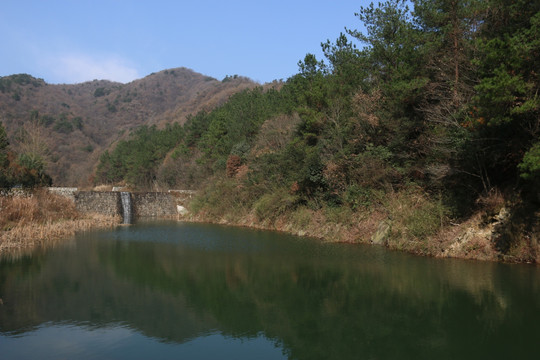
(422, 129)
(20, 169)
(429, 116)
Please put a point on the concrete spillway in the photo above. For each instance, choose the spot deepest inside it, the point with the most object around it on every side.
(126, 207)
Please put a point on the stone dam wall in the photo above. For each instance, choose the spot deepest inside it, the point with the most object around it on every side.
(144, 204)
(153, 204)
(101, 202)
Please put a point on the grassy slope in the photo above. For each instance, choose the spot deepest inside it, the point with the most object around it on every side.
(408, 220)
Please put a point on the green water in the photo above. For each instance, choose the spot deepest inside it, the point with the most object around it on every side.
(191, 291)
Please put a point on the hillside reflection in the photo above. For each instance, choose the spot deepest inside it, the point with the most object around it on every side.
(179, 282)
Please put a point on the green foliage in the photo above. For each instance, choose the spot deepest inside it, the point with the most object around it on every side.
(111, 107)
(301, 217)
(505, 109)
(241, 149)
(444, 97)
(4, 143)
(530, 166)
(63, 125)
(88, 148)
(236, 122)
(425, 220)
(25, 79)
(27, 170)
(46, 120)
(339, 214)
(31, 161)
(228, 78)
(30, 171)
(274, 204)
(7, 82)
(391, 47)
(101, 91)
(309, 88)
(136, 160)
(223, 198)
(77, 122)
(357, 197)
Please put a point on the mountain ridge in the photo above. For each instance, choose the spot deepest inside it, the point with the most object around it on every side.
(77, 122)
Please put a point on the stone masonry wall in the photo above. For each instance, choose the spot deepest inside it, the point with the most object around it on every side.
(144, 204)
(68, 192)
(101, 202)
(153, 204)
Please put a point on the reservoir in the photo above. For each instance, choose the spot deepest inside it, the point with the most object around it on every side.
(170, 290)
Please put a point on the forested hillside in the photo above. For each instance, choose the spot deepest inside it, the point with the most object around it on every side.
(420, 132)
(425, 127)
(65, 128)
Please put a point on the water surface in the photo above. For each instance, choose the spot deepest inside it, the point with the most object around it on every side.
(192, 291)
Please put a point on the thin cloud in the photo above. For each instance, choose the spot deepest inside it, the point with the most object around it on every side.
(75, 68)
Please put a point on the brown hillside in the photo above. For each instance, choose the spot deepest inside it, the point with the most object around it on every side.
(78, 122)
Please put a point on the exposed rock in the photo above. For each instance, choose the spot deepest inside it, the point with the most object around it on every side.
(181, 210)
(380, 237)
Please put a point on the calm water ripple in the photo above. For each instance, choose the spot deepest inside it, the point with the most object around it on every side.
(169, 290)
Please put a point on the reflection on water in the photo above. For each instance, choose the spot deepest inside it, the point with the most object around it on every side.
(57, 341)
(199, 291)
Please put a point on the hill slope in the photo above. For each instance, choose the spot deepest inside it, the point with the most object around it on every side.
(73, 124)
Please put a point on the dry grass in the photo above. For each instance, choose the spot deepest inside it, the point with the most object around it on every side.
(102, 188)
(419, 223)
(42, 219)
(37, 207)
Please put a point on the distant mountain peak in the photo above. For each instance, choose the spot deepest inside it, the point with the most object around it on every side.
(79, 121)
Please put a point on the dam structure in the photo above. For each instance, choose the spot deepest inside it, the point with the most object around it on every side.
(127, 215)
(130, 205)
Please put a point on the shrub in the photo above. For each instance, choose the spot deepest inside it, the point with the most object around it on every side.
(274, 204)
(415, 217)
(100, 91)
(358, 196)
(301, 217)
(425, 219)
(63, 126)
(41, 207)
(46, 120)
(220, 198)
(233, 164)
(339, 215)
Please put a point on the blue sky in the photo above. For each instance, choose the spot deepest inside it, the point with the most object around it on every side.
(75, 41)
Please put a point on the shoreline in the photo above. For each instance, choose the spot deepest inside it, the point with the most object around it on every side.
(15, 242)
(40, 219)
(45, 219)
(468, 240)
(27, 238)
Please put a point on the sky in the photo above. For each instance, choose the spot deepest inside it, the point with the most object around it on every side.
(64, 41)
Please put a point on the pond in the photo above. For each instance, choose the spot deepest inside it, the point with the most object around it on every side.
(169, 290)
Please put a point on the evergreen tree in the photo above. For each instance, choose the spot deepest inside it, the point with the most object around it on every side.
(505, 111)
(4, 143)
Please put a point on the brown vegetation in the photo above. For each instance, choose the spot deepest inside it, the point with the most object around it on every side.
(233, 164)
(73, 124)
(42, 219)
(275, 133)
(408, 220)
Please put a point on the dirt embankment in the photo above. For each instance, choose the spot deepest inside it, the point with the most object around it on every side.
(498, 231)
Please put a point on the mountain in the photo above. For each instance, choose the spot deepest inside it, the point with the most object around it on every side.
(72, 124)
